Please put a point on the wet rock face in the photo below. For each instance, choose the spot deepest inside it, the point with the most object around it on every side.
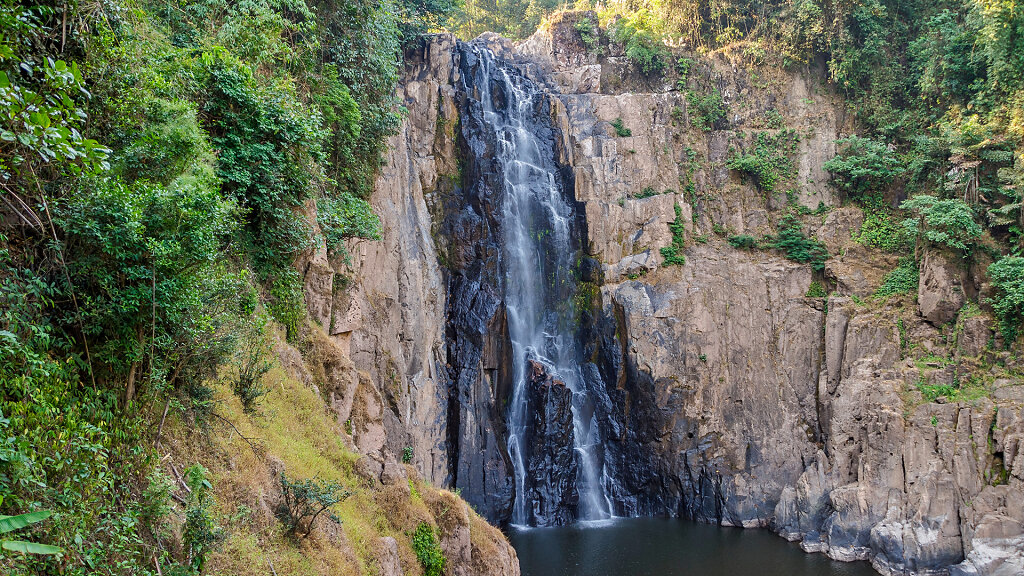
(551, 481)
(476, 332)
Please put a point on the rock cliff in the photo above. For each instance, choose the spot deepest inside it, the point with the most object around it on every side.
(731, 393)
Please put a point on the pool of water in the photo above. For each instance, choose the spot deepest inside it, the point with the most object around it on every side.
(667, 547)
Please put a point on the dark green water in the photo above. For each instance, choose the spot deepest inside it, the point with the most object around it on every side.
(668, 547)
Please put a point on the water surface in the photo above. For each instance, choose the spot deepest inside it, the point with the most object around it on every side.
(667, 547)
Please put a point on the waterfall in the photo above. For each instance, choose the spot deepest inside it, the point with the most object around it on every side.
(537, 263)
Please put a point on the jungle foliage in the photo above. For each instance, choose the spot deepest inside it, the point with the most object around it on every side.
(156, 163)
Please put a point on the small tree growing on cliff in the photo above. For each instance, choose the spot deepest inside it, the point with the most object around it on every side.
(306, 500)
(1007, 277)
(949, 223)
(863, 165)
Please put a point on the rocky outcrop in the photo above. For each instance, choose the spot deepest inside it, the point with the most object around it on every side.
(551, 490)
(940, 294)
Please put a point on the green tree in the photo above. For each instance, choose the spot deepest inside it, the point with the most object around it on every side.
(948, 223)
(864, 166)
(1007, 275)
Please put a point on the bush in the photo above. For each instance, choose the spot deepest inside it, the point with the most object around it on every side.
(744, 242)
(881, 227)
(144, 259)
(589, 33)
(706, 110)
(932, 392)
(344, 216)
(254, 360)
(641, 45)
(1007, 275)
(949, 223)
(306, 500)
(769, 161)
(428, 550)
(620, 129)
(673, 254)
(815, 290)
(864, 165)
(683, 67)
(901, 280)
(792, 241)
(200, 534)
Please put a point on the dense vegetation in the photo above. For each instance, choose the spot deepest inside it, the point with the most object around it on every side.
(155, 162)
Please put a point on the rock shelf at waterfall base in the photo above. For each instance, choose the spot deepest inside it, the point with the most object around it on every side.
(720, 390)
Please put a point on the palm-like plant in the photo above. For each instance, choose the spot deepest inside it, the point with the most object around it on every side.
(9, 524)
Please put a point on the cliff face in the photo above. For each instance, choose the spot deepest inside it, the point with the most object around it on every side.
(729, 396)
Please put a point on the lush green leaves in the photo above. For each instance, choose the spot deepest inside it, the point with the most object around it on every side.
(882, 226)
(673, 253)
(864, 166)
(769, 161)
(705, 110)
(949, 223)
(1007, 275)
(901, 280)
(145, 260)
(641, 44)
(428, 550)
(345, 216)
(792, 241)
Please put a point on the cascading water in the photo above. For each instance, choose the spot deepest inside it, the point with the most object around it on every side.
(537, 258)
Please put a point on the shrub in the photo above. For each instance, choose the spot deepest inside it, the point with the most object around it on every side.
(744, 242)
(932, 392)
(344, 216)
(774, 120)
(792, 241)
(706, 110)
(901, 280)
(881, 227)
(590, 35)
(428, 550)
(642, 46)
(254, 360)
(200, 534)
(815, 290)
(1007, 275)
(407, 454)
(864, 165)
(306, 500)
(145, 257)
(683, 67)
(769, 161)
(949, 223)
(620, 129)
(673, 254)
